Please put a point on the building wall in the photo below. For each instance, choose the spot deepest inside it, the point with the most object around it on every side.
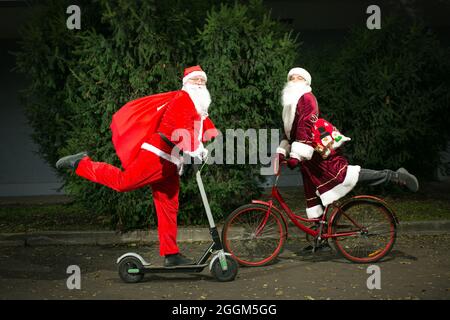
(22, 171)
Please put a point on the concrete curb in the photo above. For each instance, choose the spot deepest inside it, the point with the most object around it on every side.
(45, 238)
(425, 227)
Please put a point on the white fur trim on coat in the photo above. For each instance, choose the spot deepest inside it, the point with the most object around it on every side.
(351, 178)
(301, 150)
(314, 212)
(284, 147)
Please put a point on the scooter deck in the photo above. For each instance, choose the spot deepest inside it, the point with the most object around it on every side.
(182, 268)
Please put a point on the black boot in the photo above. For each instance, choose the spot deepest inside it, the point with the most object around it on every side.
(176, 259)
(404, 178)
(71, 161)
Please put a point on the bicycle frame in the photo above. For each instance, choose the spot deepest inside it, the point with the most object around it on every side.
(275, 195)
(297, 219)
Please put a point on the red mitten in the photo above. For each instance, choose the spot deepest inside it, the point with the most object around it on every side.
(292, 163)
(281, 157)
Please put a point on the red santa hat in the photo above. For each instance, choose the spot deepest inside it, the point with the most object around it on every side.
(192, 72)
(302, 73)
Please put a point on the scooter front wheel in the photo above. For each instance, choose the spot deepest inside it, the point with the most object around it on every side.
(227, 275)
(129, 270)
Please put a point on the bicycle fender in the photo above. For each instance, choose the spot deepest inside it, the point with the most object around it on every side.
(367, 198)
(382, 202)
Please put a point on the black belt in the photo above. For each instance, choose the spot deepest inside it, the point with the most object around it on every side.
(170, 143)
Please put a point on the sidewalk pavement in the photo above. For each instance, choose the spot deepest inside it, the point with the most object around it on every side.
(43, 238)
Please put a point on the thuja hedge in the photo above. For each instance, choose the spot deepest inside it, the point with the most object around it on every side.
(129, 49)
(388, 90)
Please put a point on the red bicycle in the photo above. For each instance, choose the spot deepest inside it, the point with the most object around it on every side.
(362, 229)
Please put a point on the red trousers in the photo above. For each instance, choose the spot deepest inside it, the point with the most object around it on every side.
(147, 169)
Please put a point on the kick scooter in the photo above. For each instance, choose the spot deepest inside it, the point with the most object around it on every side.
(132, 267)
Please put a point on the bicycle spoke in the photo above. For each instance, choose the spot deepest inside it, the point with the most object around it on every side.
(372, 227)
(252, 237)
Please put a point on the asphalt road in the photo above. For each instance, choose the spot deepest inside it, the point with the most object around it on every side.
(417, 268)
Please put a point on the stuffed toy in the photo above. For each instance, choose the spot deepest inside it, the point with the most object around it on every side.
(327, 137)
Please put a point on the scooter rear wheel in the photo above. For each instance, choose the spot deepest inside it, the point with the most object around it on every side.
(127, 264)
(229, 274)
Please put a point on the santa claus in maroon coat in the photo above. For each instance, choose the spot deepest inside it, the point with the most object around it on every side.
(148, 134)
(325, 178)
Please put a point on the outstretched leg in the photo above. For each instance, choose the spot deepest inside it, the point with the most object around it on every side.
(146, 169)
(400, 177)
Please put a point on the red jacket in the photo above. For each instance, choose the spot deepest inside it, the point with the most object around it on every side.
(331, 178)
(183, 126)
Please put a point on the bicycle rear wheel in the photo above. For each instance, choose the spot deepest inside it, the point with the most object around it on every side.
(367, 228)
(252, 237)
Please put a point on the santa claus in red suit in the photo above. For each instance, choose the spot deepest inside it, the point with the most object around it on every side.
(149, 149)
(325, 179)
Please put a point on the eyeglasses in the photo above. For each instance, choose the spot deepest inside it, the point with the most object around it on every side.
(197, 80)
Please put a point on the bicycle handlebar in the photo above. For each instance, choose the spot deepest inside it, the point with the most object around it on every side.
(278, 171)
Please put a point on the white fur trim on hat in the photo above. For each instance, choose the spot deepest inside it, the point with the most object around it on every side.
(301, 150)
(284, 147)
(314, 212)
(194, 74)
(301, 72)
(351, 178)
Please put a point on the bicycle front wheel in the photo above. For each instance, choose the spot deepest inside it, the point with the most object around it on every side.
(365, 231)
(252, 236)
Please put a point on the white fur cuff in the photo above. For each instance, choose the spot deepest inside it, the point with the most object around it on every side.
(281, 150)
(300, 150)
(314, 212)
(284, 147)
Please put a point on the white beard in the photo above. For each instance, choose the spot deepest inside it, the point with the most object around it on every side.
(291, 93)
(200, 96)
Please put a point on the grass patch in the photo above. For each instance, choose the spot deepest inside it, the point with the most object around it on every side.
(407, 208)
(420, 210)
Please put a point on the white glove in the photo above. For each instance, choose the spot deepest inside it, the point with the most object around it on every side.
(201, 153)
(204, 154)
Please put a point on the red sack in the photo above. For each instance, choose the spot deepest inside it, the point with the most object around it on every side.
(133, 123)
